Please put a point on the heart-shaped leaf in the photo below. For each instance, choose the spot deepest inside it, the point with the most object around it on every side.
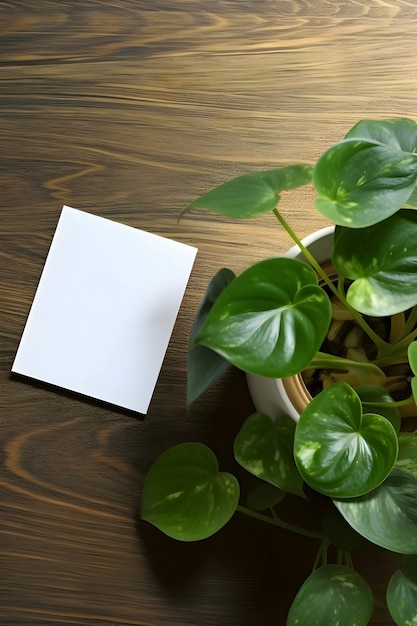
(270, 320)
(265, 448)
(381, 260)
(399, 133)
(362, 182)
(373, 394)
(332, 594)
(205, 367)
(340, 451)
(402, 594)
(185, 495)
(253, 194)
(387, 516)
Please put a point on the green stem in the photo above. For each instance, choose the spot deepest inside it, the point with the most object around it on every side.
(322, 360)
(396, 351)
(379, 343)
(321, 556)
(276, 521)
(310, 258)
(410, 323)
(398, 358)
(340, 555)
(348, 559)
(365, 371)
(397, 403)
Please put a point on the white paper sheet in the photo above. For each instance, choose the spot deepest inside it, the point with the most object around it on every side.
(104, 310)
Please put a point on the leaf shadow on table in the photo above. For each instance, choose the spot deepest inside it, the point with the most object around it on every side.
(246, 573)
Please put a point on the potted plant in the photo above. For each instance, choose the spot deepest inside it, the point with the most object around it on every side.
(351, 446)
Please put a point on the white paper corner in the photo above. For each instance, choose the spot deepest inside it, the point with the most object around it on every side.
(104, 310)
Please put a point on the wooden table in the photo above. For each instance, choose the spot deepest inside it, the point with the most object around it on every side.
(129, 109)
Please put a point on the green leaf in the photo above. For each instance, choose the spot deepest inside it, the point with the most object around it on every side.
(414, 388)
(412, 200)
(387, 516)
(412, 358)
(340, 451)
(264, 496)
(265, 448)
(253, 194)
(402, 594)
(205, 367)
(381, 260)
(370, 394)
(332, 594)
(270, 320)
(362, 182)
(185, 495)
(398, 133)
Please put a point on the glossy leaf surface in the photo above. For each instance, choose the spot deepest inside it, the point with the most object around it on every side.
(362, 182)
(205, 367)
(265, 448)
(270, 320)
(412, 200)
(398, 133)
(387, 516)
(402, 594)
(253, 194)
(332, 594)
(382, 262)
(186, 496)
(369, 394)
(340, 451)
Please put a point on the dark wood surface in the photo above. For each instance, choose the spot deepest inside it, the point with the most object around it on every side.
(129, 109)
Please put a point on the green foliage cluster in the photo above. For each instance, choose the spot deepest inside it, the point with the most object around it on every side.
(348, 444)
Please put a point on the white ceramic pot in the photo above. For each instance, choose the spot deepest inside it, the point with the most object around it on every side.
(289, 396)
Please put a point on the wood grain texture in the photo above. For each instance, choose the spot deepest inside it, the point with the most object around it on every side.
(130, 109)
